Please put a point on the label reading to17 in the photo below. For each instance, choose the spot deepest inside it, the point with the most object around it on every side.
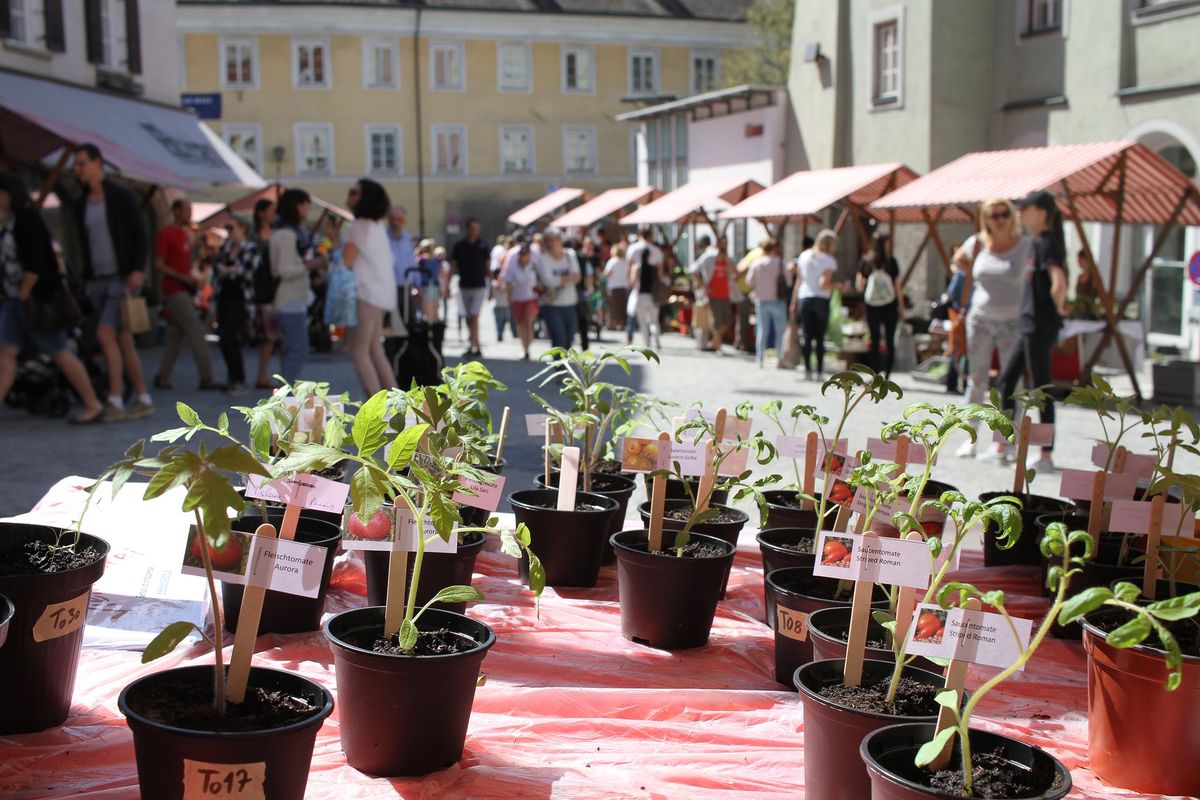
(242, 781)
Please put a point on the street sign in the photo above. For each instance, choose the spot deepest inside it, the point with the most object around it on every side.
(205, 106)
(1194, 267)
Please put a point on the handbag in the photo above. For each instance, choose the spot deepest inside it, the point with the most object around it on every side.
(58, 311)
(661, 293)
(958, 318)
(702, 317)
(135, 315)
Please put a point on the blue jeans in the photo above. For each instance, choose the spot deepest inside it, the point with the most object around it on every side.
(501, 314)
(562, 323)
(772, 316)
(294, 327)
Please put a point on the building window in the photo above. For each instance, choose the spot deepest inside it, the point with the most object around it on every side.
(314, 149)
(112, 31)
(579, 149)
(516, 148)
(310, 63)
(706, 71)
(380, 64)
(450, 149)
(246, 141)
(446, 67)
(643, 72)
(239, 63)
(25, 23)
(512, 66)
(383, 150)
(578, 73)
(1155, 10)
(1042, 16)
(886, 29)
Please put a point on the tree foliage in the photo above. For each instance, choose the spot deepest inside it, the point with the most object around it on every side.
(766, 60)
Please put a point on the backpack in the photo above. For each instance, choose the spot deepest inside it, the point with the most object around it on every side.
(880, 289)
(262, 281)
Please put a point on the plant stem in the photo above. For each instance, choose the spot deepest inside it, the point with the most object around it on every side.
(219, 672)
(416, 574)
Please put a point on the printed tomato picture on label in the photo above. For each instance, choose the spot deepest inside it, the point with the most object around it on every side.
(931, 625)
(837, 552)
(226, 552)
(378, 529)
(841, 493)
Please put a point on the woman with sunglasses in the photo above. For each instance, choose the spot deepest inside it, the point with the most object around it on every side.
(993, 261)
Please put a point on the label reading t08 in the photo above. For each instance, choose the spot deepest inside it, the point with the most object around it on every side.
(202, 780)
(791, 623)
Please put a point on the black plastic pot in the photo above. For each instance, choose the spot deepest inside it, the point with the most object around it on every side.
(6, 614)
(833, 769)
(1027, 550)
(828, 629)
(275, 510)
(618, 487)
(794, 593)
(38, 662)
(666, 602)
(725, 531)
(278, 757)
(404, 715)
(778, 552)
(889, 752)
(675, 490)
(495, 467)
(569, 544)
(282, 612)
(438, 570)
(782, 514)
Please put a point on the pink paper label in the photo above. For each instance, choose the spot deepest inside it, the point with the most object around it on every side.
(851, 556)
(487, 493)
(1077, 484)
(886, 451)
(735, 463)
(305, 490)
(1040, 435)
(979, 637)
(793, 446)
(1133, 516)
(692, 458)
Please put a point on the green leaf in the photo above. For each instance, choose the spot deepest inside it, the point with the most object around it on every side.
(174, 473)
(1126, 592)
(444, 513)
(368, 492)
(933, 748)
(308, 457)
(167, 640)
(404, 446)
(457, 594)
(1176, 608)
(408, 635)
(537, 574)
(949, 699)
(369, 430)
(236, 458)
(187, 415)
(1083, 603)
(170, 435)
(885, 619)
(509, 544)
(1130, 634)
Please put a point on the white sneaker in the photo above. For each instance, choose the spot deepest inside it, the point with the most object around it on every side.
(966, 451)
(993, 455)
(1039, 463)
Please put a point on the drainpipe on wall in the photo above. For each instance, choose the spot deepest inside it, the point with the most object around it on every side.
(420, 126)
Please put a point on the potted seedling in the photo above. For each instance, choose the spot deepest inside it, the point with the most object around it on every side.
(407, 672)
(296, 413)
(195, 728)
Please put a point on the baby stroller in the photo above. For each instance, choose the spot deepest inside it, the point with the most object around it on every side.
(40, 387)
(416, 354)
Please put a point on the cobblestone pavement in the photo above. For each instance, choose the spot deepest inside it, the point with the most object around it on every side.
(35, 452)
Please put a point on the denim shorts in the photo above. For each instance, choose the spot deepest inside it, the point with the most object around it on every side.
(106, 295)
(14, 331)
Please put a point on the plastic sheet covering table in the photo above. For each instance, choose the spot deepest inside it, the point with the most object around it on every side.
(572, 710)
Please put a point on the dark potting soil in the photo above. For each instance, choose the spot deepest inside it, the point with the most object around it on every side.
(1185, 631)
(693, 550)
(792, 502)
(429, 643)
(38, 556)
(913, 698)
(685, 513)
(800, 546)
(607, 466)
(806, 584)
(333, 473)
(190, 705)
(553, 506)
(994, 778)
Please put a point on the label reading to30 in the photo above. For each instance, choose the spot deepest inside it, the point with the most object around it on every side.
(60, 619)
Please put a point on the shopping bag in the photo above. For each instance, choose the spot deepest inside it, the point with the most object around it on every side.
(702, 317)
(789, 353)
(135, 315)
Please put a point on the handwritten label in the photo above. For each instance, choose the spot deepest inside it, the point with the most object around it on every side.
(1133, 516)
(61, 619)
(692, 458)
(645, 454)
(979, 637)
(791, 623)
(305, 490)
(1077, 485)
(886, 451)
(735, 427)
(487, 493)
(204, 781)
(289, 567)
(849, 556)
(406, 539)
(793, 446)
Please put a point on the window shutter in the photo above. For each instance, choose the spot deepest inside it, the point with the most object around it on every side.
(94, 34)
(133, 38)
(5, 20)
(56, 37)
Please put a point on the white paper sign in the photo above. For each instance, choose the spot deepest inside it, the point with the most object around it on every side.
(305, 490)
(1077, 485)
(850, 556)
(793, 446)
(692, 458)
(979, 637)
(535, 424)
(286, 566)
(1133, 516)
(406, 526)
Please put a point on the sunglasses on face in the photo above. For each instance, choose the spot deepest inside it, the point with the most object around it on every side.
(1005, 214)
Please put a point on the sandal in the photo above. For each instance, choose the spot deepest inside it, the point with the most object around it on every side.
(80, 419)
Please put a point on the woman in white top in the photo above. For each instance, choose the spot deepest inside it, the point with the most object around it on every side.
(616, 284)
(810, 298)
(558, 272)
(520, 279)
(994, 263)
(770, 307)
(368, 253)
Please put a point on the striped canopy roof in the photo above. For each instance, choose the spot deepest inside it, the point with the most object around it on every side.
(686, 203)
(544, 206)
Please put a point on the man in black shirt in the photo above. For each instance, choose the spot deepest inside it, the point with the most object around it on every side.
(470, 259)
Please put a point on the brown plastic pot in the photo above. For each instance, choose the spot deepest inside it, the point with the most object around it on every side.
(725, 531)
(1027, 550)
(889, 752)
(666, 602)
(404, 715)
(37, 664)
(569, 544)
(6, 614)
(618, 487)
(777, 554)
(1140, 736)
(438, 570)
(828, 629)
(795, 592)
(833, 769)
(283, 754)
(782, 514)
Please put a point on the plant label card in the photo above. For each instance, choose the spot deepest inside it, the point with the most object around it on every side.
(535, 424)
(378, 534)
(1041, 434)
(304, 490)
(851, 556)
(980, 637)
(487, 493)
(204, 781)
(1133, 516)
(286, 566)
(406, 539)
(1140, 464)
(886, 451)
(735, 463)
(645, 454)
(1077, 485)
(306, 418)
(793, 446)
(692, 458)
(229, 561)
(735, 427)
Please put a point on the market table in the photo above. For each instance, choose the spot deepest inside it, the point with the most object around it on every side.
(570, 709)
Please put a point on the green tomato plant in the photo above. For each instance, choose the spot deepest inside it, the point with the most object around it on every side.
(274, 423)
(1117, 415)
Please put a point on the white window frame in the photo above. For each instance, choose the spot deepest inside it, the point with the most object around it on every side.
(591, 56)
(238, 41)
(368, 47)
(1025, 29)
(1144, 13)
(299, 129)
(527, 88)
(567, 130)
(326, 61)
(695, 55)
(372, 128)
(644, 52)
(113, 36)
(31, 18)
(528, 130)
(461, 53)
(229, 129)
(892, 14)
(438, 130)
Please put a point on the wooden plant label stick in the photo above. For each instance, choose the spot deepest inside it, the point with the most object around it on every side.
(586, 454)
(956, 678)
(318, 423)
(906, 600)
(1153, 537)
(503, 433)
(1022, 453)
(1096, 513)
(568, 476)
(291, 518)
(856, 641)
(810, 466)
(843, 519)
(1122, 455)
(860, 524)
(901, 451)
(397, 584)
(658, 499)
(546, 450)
(247, 633)
(710, 474)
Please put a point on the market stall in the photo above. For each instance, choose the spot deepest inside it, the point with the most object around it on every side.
(553, 203)
(691, 204)
(605, 205)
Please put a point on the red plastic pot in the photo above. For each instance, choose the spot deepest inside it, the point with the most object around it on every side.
(1140, 736)
(829, 627)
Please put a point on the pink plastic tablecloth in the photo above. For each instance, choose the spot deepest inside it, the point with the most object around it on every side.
(570, 709)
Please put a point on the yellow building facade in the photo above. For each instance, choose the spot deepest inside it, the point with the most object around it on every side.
(456, 112)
